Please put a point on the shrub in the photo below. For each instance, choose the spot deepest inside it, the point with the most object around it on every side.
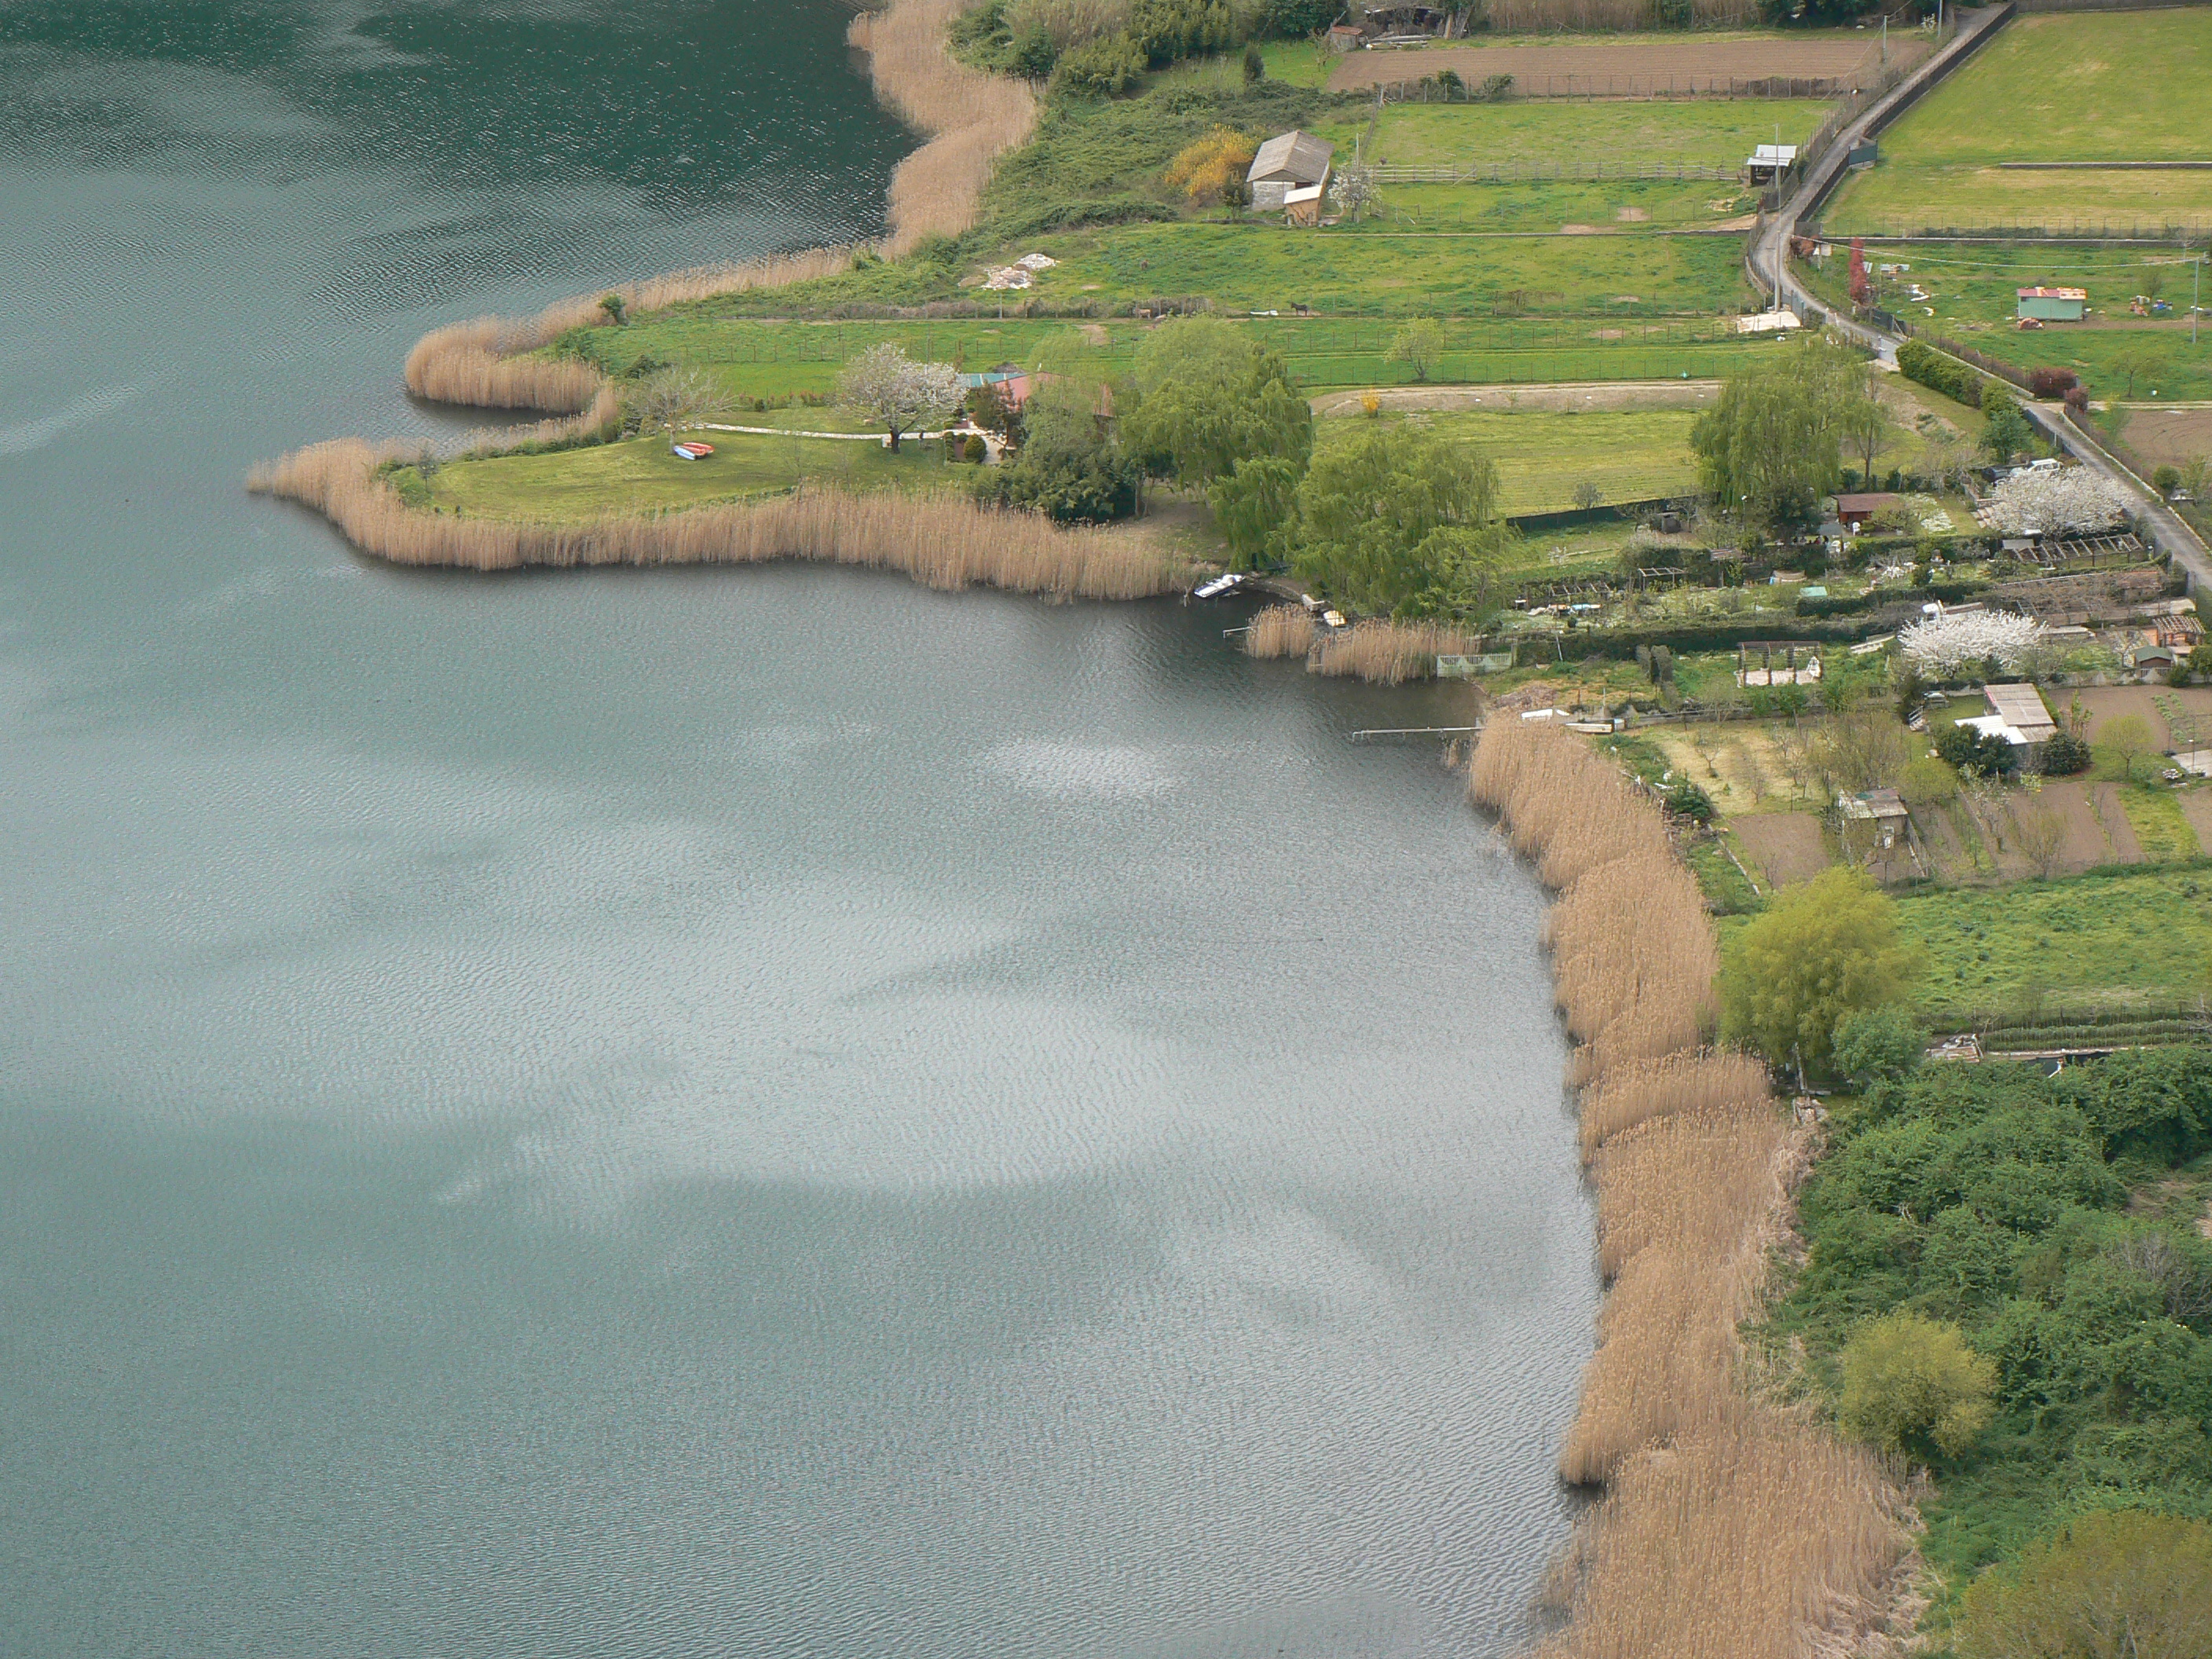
(1686, 800)
(1938, 372)
(1878, 1044)
(2048, 383)
(1101, 69)
(1907, 1378)
(2064, 755)
(1821, 951)
(1984, 754)
(974, 451)
(2125, 1583)
(1928, 782)
(2166, 479)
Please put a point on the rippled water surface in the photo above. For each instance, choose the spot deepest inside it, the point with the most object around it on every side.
(761, 1111)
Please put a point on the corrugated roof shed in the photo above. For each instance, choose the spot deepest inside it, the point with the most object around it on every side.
(2021, 707)
(1293, 157)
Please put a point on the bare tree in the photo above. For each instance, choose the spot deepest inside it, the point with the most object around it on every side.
(2040, 835)
(895, 391)
(675, 398)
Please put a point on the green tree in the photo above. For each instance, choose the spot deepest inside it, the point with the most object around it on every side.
(1907, 1377)
(2007, 432)
(1070, 467)
(1877, 1043)
(1821, 951)
(1419, 345)
(1205, 397)
(1255, 506)
(2143, 363)
(1772, 445)
(2126, 740)
(2124, 1584)
(1394, 511)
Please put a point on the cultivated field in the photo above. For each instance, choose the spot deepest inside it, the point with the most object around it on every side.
(2175, 436)
(1635, 65)
(2101, 88)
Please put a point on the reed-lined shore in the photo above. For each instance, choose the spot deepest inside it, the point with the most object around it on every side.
(1731, 1526)
(969, 119)
(944, 543)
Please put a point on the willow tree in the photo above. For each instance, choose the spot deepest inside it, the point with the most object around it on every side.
(1772, 445)
(1396, 518)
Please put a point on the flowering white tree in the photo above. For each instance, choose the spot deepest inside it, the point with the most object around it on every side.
(1941, 646)
(891, 388)
(2066, 502)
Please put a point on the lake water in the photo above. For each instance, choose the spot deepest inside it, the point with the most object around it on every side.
(706, 1112)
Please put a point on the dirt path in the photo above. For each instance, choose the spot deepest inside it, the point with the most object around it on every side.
(1557, 398)
(1650, 64)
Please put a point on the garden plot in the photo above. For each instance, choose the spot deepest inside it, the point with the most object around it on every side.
(1780, 847)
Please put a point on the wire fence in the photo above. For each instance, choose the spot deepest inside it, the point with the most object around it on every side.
(1428, 90)
(2139, 232)
(1523, 172)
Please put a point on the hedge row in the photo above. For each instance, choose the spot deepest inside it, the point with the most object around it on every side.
(1940, 374)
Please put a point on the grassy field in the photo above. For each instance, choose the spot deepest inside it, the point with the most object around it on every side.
(2113, 87)
(1618, 207)
(754, 359)
(1381, 269)
(1704, 132)
(1972, 289)
(2094, 940)
(1541, 457)
(640, 474)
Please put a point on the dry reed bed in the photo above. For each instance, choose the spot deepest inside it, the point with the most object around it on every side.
(1606, 16)
(1381, 653)
(946, 544)
(1731, 1528)
(971, 118)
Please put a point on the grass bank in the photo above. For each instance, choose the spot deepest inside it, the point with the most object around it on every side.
(943, 543)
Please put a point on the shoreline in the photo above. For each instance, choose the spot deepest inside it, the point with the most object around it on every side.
(1729, 1523)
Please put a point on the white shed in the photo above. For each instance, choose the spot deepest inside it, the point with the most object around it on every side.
(1288, 162)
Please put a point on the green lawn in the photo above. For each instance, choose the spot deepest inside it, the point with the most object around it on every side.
(1616, 206)
(754, 359)
(1973, 293)
(2111, 86)
(1704, 132)
(640, 474)
(1541, 457)
(2101, 939)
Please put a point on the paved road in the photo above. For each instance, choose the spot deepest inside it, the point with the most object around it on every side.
(1767, 256)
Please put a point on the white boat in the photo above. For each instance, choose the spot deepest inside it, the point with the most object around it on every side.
(1214, 588)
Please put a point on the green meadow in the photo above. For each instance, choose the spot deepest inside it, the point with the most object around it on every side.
(2102, 87)
(1543, 456)
(1701, 132)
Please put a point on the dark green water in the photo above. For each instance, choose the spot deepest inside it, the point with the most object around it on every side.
(753, 1112)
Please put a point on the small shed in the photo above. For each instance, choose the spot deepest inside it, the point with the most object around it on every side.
(2053, 305)
(1288, 162)
(1301, 206)
(1854, 510)
(1769, 162)
(2026, 723)
(1884, 810)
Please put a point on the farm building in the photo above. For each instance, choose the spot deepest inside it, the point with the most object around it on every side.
(1288, 162)
(1769, 162)
(2016, 714)
(2053, 305)
(1301, 206)
(1853, 511)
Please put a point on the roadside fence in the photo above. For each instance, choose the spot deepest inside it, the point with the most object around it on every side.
(1519, 172)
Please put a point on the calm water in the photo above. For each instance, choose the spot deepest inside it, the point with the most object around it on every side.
(715, 1112)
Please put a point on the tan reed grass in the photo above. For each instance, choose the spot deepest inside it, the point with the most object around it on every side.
(1717, 1081)
(1762, 1537)
(970, 118)
(945, 544)
(1280, 630)
(1387, 652)
(1730, 1529)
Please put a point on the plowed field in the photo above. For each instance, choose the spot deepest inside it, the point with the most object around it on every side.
(1638, 68)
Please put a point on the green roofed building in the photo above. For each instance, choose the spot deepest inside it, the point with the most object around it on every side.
(2053, 305)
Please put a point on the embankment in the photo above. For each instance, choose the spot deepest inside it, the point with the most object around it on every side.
(1731, 1526)
(943, 543)
(969, 117)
